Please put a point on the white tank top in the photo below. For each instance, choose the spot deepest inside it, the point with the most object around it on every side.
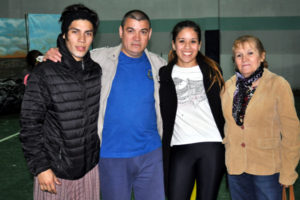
(194, 121)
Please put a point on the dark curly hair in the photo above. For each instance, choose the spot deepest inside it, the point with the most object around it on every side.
(78, 11)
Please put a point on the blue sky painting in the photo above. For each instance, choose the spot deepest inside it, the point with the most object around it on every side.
(12, 38)
(43, 30)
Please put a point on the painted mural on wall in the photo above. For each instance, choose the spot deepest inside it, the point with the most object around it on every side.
(43, 30)
(12, 38)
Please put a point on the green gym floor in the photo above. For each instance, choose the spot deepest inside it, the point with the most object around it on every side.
(16, 181)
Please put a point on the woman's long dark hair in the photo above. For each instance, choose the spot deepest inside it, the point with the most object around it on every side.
(215, 73)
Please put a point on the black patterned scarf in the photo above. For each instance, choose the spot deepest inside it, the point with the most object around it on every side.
(243, 94)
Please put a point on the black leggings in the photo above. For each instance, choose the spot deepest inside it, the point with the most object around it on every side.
(201, 161)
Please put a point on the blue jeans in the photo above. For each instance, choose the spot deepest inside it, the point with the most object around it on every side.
(141, 174)
(254, 187)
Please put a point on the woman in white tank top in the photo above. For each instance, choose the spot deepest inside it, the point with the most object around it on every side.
(193, 123)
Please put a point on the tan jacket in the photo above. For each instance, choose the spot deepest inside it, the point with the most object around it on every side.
(270, 140)
(108, 58)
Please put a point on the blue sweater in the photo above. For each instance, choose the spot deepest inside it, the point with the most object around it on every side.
(130, 127)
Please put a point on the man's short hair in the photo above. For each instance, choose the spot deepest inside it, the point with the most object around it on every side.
(137, 15)
(75, 12)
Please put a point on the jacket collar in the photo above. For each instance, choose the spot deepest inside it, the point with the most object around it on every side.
(255, 98)
(115, 52)
(262, 81)
(67, 59)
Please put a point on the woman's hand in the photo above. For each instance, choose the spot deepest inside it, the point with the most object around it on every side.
(286, 186)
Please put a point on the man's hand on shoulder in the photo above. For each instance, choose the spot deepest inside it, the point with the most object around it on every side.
(53, 55)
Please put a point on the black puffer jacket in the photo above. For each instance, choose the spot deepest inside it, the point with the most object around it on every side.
(59, 116)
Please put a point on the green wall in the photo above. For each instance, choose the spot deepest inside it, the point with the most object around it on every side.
(275, 22)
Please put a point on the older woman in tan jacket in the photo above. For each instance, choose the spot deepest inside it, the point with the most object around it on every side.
(262, 134)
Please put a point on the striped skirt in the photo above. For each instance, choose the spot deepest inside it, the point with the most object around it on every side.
(85, 188)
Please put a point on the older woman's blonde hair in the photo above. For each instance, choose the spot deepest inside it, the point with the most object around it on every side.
(249, 39)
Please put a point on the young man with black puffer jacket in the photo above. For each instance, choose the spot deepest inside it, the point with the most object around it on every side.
(59, 114)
